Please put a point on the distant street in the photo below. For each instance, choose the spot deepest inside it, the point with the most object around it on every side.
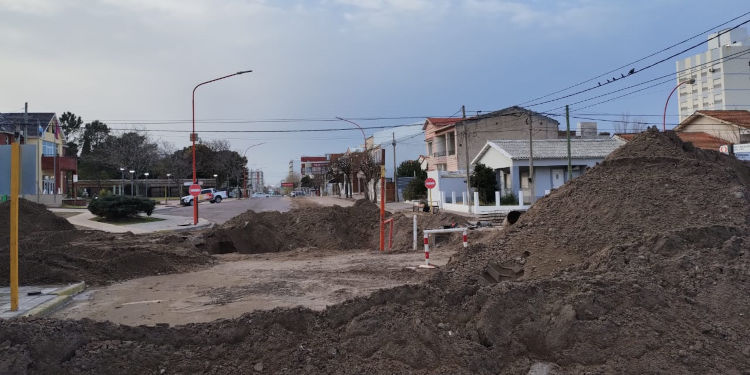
(221, 212)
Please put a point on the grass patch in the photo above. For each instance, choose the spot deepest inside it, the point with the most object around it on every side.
(127, 220)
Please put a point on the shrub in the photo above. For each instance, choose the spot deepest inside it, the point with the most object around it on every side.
(104, 193)
(117, 207)
(483, 179)
(415, 189)
(509, 200)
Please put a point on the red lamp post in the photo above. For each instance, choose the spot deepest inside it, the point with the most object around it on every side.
(194, 136)
(664, 118)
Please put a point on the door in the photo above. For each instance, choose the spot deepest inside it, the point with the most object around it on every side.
(558, 178)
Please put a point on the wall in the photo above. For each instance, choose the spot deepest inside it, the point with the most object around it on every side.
(500, 127)
(713, 127)
(447, 183)
(29, 167)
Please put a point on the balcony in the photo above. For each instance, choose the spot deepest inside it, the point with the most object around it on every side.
(438, 154)
(64, 163)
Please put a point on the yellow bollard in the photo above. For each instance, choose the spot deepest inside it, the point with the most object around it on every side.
(15, 172)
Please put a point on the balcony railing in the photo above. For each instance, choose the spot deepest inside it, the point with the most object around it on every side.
(438, 154)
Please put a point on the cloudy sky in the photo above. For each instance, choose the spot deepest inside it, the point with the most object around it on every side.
(134, 63)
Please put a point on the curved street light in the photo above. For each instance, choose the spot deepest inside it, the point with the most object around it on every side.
(664, 118)
(364, 137)
(194, 136)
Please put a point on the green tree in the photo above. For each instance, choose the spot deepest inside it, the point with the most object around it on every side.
(410, 168)
(415, 189)
(94, 134)
(306, 181)
(483, 179)
(71, 126)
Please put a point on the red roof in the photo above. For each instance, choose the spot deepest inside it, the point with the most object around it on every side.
(698, 139)
(441, 121)
(312, 158)
(736, 117)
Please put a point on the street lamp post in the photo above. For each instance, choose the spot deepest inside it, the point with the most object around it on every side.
(122, 179)
(194, 136)
(664, 118)
(146, 174)
(132, 194)
(166, 188)
(216, 181)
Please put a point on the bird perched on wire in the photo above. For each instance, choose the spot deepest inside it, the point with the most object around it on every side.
(631, 71)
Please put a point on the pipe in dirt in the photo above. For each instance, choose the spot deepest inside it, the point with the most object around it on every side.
(512, 217)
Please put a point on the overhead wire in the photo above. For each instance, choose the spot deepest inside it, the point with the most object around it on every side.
(634, 70)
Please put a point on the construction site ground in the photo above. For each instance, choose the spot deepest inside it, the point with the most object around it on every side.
(241, 283)
(639, 266)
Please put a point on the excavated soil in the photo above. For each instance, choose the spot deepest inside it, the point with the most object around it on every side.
(638, 266)
(52, 251)
(335, 227)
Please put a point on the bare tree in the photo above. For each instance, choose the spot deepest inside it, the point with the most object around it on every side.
(628, 124)
(371, 170)
(344, 166)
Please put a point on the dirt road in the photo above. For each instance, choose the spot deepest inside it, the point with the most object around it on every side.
(243, 283)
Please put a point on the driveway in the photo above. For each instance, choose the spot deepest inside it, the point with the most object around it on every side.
(229, 208)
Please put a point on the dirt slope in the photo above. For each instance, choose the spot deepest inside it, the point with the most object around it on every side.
(639, 266)
(52, 251)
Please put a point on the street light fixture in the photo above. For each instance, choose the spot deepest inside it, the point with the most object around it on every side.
(194, 136)
(664, 118)
(360, 129)
(131, 182)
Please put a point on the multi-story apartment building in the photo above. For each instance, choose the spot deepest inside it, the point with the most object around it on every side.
(721, 74)
(255, 178)
(445, 138)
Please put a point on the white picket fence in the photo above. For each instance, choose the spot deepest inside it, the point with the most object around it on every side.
(478, 209)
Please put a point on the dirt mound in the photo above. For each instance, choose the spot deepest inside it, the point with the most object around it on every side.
(51, 250)
(32, 218)
(99, 257)
(333, 227)
(639, 266)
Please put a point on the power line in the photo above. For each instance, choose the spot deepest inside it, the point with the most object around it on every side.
(636, 61)
(634, 71)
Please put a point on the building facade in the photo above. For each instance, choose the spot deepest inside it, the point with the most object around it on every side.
(446, 139)
(255, 180)
(722, 75)
(54, 170)
(732, 126)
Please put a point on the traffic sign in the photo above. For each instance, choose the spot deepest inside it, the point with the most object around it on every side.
(430, 183)
(195, 190)
(287, 184)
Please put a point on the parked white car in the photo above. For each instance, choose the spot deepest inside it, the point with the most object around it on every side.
(211, 195)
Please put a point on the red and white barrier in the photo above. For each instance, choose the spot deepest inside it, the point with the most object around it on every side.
(427, 233)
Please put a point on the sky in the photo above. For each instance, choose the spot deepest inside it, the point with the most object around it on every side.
(134, 63)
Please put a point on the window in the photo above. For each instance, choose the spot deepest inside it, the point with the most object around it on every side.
(48, 148)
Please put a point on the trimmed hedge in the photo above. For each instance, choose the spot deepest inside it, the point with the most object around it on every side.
(117, 207)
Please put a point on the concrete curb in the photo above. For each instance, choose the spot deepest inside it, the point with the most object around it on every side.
(63, 296)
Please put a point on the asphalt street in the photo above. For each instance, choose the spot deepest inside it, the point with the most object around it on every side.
(229, 208)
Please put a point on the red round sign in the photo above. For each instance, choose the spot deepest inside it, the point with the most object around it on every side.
(195, 190)
(430, 183)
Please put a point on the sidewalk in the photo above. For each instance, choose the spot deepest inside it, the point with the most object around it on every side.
(37, 300)
(170, 223)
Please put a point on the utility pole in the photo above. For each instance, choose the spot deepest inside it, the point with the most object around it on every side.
(466, 153)
(531, 157)
(567, 126)
(395, 178)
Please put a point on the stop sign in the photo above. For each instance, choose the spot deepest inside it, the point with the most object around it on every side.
(430, 183)
(195, 190)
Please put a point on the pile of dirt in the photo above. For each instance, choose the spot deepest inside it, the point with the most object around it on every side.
(336, 227)
(639, 266)
(32, 218)
(52, 251)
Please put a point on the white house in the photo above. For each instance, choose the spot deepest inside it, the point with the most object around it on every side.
(510, 160)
